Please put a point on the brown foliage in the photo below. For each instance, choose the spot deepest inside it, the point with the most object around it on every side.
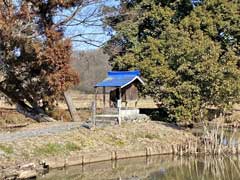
(35, 57)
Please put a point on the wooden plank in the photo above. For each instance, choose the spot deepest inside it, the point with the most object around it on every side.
(107, 115)
(94, 107)
(104, 97)
(71, 107)
(93, 113)
(119, 104)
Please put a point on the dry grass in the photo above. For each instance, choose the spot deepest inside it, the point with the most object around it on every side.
(85, 100)
(64, 115)
(61, 115)
(131, 136)
(11, 117)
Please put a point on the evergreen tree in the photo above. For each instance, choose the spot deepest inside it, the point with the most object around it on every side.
(188, 55)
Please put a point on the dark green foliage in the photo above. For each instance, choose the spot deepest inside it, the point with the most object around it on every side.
(189, 56)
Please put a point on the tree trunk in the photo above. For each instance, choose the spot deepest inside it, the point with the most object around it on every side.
(34, 113)
(71, 108)
(40, 117)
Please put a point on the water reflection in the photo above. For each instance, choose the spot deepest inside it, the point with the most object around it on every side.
(205, 168)
(154, 168)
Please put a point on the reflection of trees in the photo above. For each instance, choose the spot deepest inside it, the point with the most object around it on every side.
(135, 168)
(156, 167)
(206, 168)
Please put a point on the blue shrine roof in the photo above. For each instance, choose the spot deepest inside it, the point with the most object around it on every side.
(120, 79)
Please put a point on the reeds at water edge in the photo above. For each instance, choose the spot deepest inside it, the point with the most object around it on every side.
(214, 140)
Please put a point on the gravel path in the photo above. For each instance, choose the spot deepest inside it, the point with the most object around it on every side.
(42, 131)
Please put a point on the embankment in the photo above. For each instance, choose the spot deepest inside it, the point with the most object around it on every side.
(81, 146)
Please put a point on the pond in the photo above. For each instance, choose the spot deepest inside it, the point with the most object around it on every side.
(154, 168)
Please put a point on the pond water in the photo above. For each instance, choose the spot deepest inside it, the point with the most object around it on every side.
(154, 168)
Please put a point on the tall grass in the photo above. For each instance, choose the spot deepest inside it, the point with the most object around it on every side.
(215, 139)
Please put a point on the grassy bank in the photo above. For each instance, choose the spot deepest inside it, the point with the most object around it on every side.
(130, 136)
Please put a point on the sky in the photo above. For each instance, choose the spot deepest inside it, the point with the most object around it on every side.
(90, 33)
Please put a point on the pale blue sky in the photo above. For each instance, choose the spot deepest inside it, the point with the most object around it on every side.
(90, 32)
